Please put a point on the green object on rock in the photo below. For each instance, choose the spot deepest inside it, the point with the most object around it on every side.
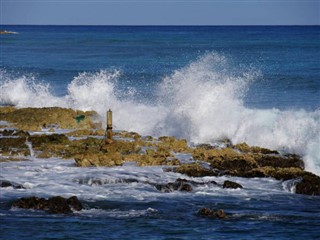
(80, 118)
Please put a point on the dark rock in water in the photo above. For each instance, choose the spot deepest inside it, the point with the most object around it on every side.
(56, 205)
(5, 183)
(207, 212)
(178, 185)
(74, 203)
(309, 185)
(181, 185)
(230, 184)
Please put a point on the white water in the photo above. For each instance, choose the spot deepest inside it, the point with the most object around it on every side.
(52, 177)
(202, 102)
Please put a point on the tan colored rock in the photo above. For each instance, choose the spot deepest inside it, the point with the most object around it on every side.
(35, 119)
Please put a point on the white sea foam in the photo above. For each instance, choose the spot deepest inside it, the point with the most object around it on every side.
(201, 102)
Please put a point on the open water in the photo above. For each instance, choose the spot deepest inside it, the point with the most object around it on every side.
(259, 85)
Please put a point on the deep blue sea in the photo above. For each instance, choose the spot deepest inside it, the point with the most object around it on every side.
(254, 84)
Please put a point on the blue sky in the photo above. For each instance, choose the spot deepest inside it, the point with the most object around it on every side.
(160, 12)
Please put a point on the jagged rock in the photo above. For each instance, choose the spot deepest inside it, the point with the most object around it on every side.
(56, 205)
(309, 185)
(207, 212)
(5, 184)
(230, 184)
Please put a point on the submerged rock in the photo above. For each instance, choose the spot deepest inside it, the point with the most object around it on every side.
(5, 184)
(55, 205)
(230, 184)
(207, 212)
(178, 185)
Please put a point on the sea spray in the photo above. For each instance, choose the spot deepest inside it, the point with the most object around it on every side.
(26, 91)
(202, 102)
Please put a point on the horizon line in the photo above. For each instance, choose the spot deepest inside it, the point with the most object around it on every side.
(162, 25)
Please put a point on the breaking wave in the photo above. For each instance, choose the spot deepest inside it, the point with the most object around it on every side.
(202, 102)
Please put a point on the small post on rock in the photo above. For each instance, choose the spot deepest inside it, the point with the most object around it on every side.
(109, 126)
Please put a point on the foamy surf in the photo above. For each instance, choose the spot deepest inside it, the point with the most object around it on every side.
(202, 102)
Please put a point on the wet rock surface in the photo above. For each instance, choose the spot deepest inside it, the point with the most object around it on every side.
(54, 205)
(179, 185)
(309, 185)
(183, 185)
(209, 213)
(230, 184)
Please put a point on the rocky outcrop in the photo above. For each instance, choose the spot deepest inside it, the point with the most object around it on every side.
(209, 213)
(223, 158)
(230, 184)
(55, 205)
(37, 118)
(309, 185)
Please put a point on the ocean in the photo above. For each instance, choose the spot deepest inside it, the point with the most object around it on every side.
(253, 84)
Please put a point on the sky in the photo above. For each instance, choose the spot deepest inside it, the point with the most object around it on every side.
(160, 12)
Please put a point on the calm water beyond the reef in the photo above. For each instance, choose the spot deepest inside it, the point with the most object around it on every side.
(259, 85)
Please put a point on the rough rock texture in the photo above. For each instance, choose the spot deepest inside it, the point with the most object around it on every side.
(230, 184)
(56, 205)
(310, 185)
(194, 170)
(207, 212)
(37, 118)
(98, 160)
(14, 147)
